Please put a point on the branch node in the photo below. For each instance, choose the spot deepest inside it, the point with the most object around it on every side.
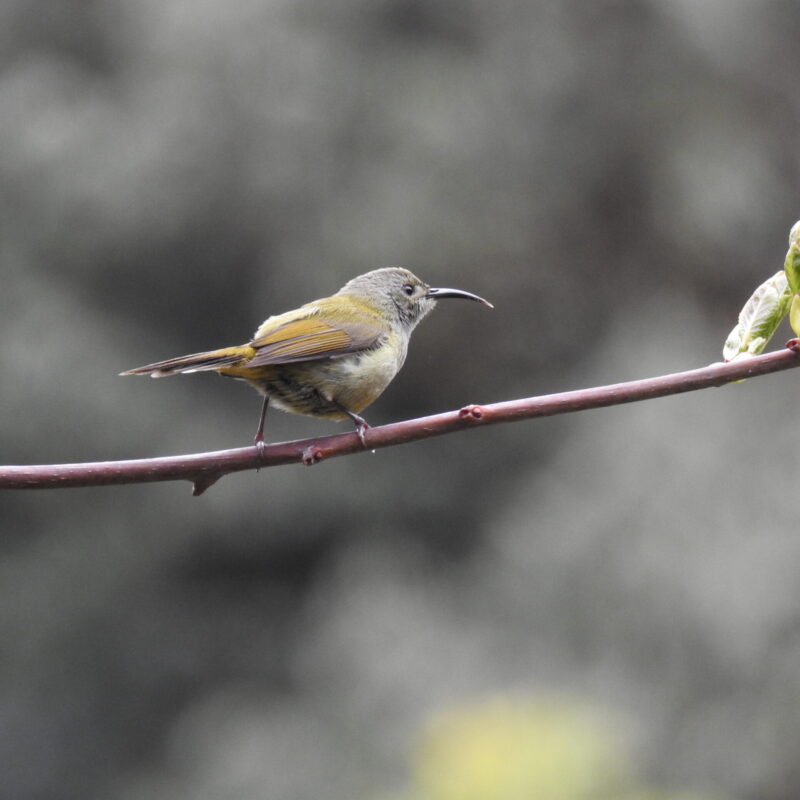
(312, 455)
(794, 345)
(471, 413)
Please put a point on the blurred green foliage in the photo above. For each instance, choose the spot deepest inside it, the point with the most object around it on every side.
(511, 747)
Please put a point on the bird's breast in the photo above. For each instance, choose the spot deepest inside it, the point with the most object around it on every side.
(357, 380)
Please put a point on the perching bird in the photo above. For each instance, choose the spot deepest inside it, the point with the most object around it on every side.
(330, 358)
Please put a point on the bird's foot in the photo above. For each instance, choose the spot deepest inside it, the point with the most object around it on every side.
(362, 426)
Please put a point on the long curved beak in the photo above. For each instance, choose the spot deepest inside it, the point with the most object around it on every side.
(436, 294)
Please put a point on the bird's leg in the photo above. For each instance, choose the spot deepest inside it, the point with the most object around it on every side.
(362, 426)
(259, 440)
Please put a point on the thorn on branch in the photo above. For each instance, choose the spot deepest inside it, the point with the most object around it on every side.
(199, 485)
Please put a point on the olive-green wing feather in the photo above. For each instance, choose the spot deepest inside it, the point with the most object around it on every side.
(310, 339)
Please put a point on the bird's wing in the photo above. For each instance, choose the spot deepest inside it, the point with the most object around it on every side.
(310, 339)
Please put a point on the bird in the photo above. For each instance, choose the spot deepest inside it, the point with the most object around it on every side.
(330, 358)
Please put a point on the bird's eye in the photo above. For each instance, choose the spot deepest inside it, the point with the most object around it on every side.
(408, 289)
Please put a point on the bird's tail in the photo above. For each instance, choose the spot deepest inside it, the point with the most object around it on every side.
(197, 362)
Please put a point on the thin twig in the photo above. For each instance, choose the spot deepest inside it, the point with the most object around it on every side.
(204, 469)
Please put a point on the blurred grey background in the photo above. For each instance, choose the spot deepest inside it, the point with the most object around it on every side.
(616, 177)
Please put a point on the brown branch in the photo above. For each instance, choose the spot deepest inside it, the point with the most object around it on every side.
(204, 469)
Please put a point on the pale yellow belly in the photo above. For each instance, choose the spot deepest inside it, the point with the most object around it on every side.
(322, 388)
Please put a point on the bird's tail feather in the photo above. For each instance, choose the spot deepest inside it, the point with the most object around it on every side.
(197, 362)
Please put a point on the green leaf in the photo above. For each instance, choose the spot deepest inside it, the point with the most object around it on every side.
(760, 317)
(792, 263)
(794, 315)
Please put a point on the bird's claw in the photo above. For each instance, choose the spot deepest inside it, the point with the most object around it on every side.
(361, 430)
